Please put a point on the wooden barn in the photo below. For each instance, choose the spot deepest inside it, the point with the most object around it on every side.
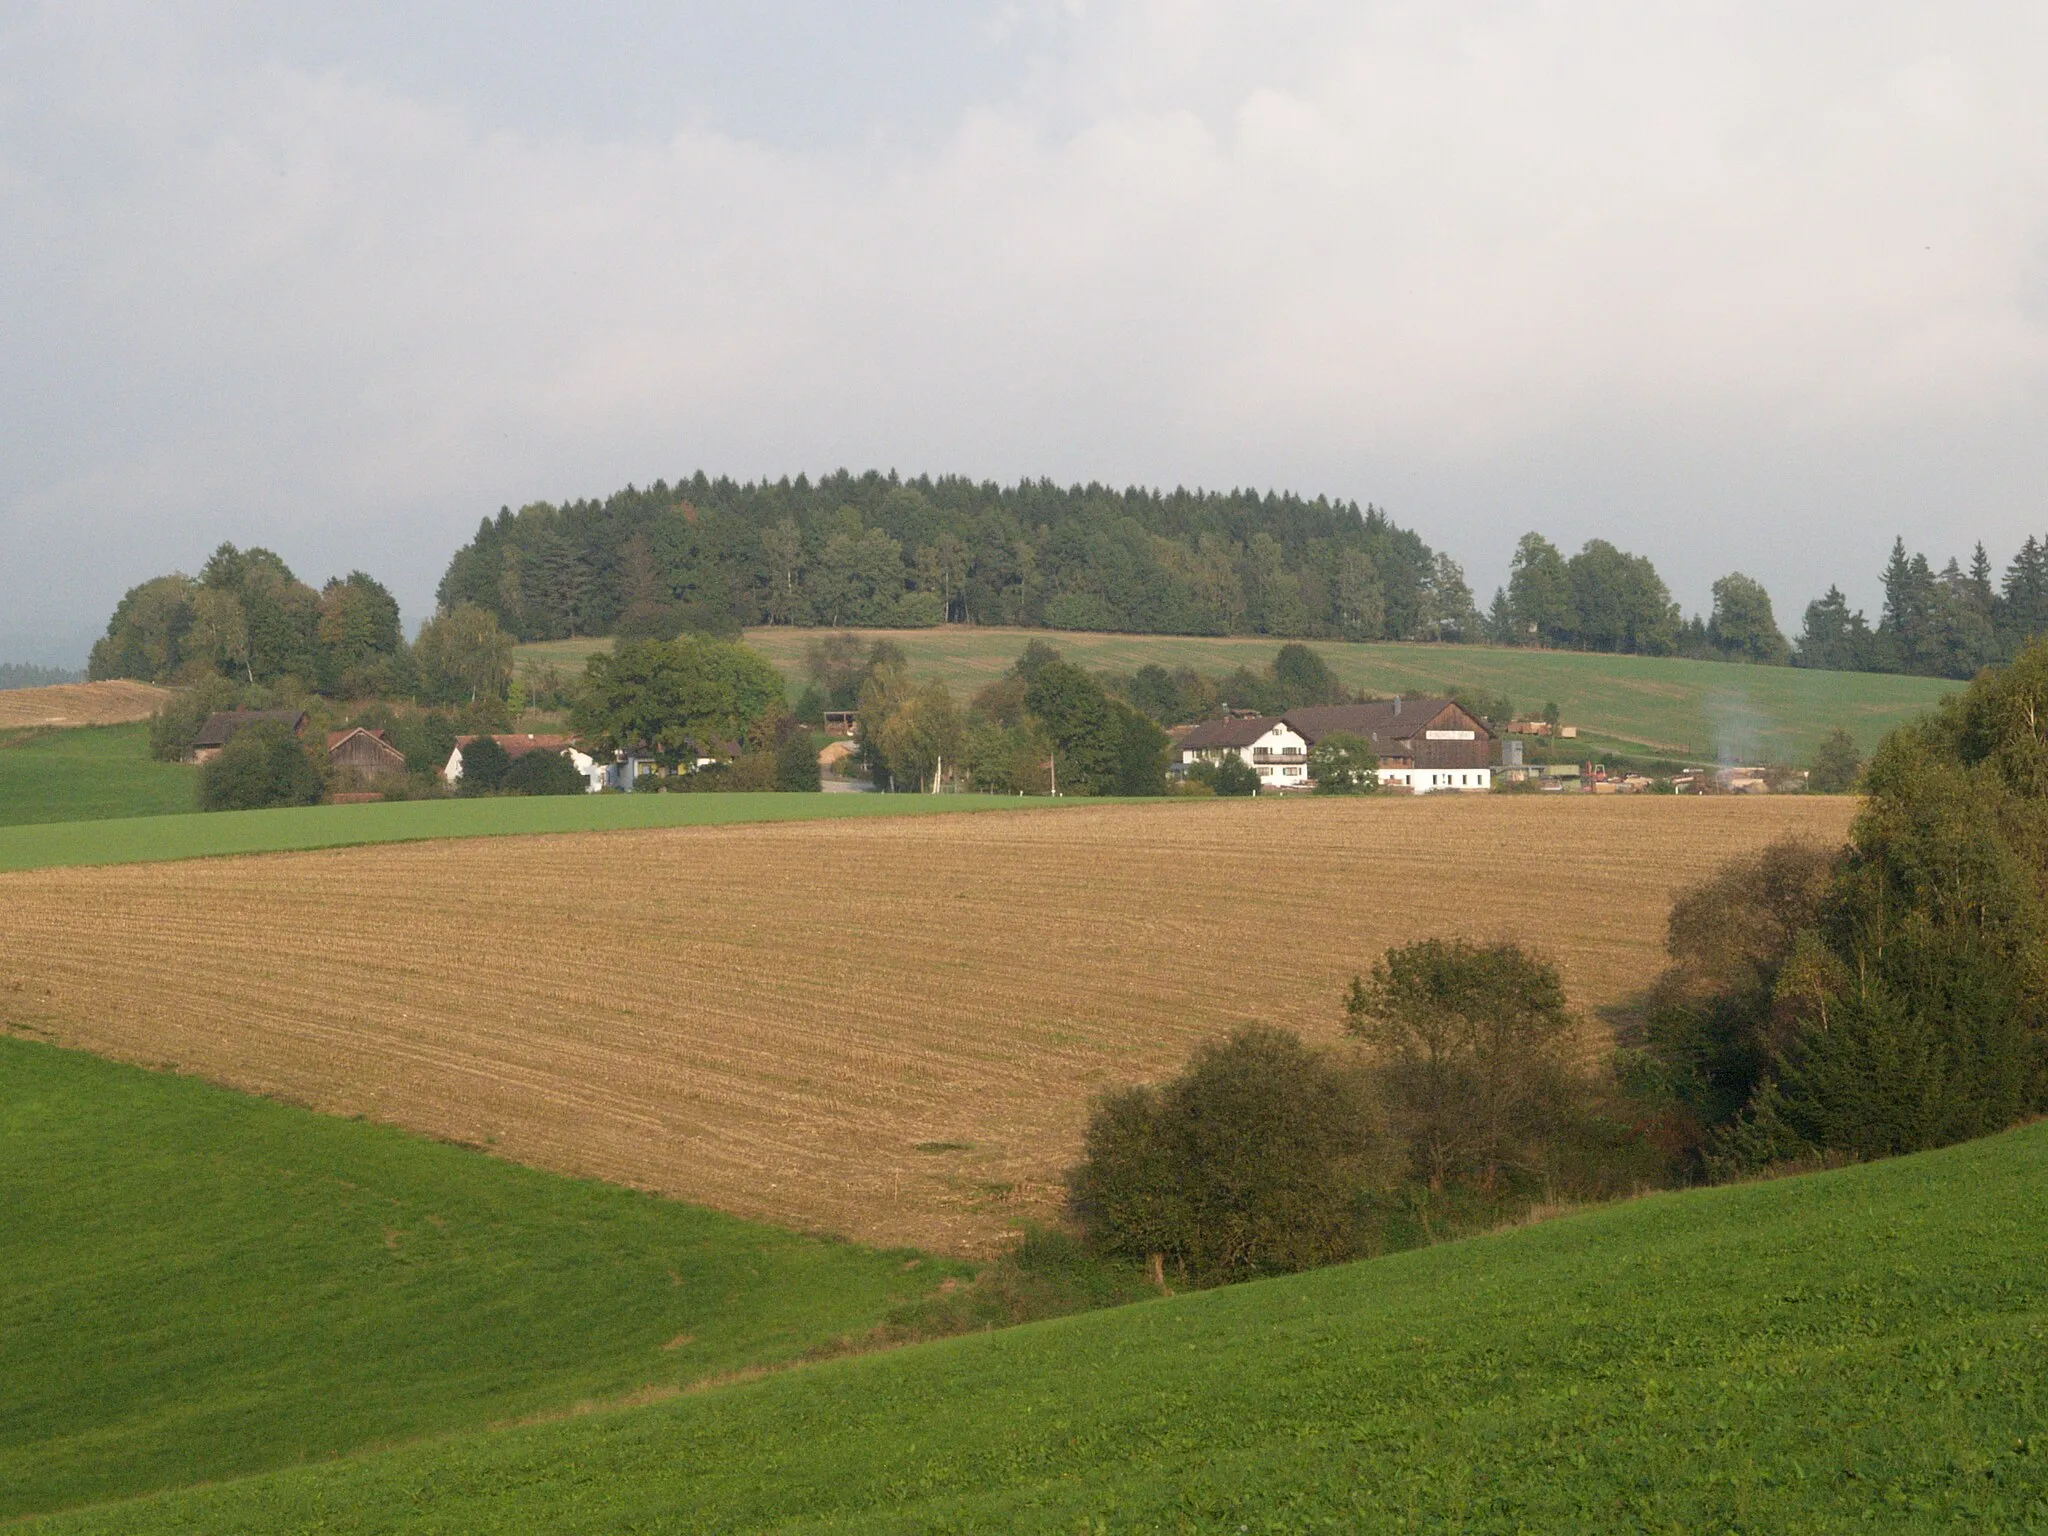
(220, 729)
(366, 752)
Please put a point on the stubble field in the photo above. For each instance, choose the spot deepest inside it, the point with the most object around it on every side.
(116, 702)
(889, 1029)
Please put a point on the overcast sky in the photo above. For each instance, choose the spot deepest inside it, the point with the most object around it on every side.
(1736, 286)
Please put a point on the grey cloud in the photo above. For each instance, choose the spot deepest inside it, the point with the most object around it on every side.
(1745, 287)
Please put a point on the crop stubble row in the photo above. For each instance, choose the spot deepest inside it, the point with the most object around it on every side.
(117, 701)
(773, 1019)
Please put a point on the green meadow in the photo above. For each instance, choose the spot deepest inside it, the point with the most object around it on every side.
(1864, 1349)
(197, 1284)
(1700, 709)
(146, 839)
(88, 773)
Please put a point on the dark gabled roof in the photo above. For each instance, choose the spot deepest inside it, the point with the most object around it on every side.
(219, 728)
(1381, 721)
(1227, 733)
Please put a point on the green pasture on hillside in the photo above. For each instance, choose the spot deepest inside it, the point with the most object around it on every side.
(1858, 1350)
(88, 773)
(1701, 709)
(196, 1284)
(146, 839)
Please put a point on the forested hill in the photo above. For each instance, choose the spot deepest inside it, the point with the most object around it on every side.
(875, 550)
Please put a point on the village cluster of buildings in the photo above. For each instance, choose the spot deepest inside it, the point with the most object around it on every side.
(369, 754)
(1424, 746)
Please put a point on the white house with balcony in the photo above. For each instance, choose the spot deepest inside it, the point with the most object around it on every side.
(1273, 749)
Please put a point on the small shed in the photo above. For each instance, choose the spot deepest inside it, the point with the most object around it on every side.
(220, 729)
(364, 751)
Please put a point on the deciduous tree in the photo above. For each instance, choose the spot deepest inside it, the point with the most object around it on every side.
(1473, 1044)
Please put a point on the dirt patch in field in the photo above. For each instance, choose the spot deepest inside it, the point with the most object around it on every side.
(68, 704)
(889, 1029)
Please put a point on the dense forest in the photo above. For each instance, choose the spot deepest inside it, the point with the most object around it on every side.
(875, 551)
(872, 550)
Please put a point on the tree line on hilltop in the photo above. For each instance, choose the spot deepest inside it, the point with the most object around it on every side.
(872, 551)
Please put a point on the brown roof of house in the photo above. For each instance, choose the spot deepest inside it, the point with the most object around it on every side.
(1227, 733)
(220, 727)
(336, 738)
(520, 745)
(1380, 721)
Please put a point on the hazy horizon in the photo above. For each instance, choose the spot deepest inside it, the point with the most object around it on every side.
(1738, 288)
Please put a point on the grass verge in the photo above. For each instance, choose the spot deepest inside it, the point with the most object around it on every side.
(88, 774)
(196, 1284)
(1858, 1349)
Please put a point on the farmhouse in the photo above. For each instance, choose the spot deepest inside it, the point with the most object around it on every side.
(1426, 746)
(597, 776)
(364, 751)
(220, 729)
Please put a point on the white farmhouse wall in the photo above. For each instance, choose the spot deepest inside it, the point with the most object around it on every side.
(1439, 781)
(1281, 742)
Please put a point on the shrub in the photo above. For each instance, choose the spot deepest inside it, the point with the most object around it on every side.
(485, 763)
(1473, 1042)
(1893, 1000)
(1253, 1161)
(1344, 764)
(750, 772)
(261, 765)
(796, 763)
(427, 739)
(1228, 775)
(538, 773)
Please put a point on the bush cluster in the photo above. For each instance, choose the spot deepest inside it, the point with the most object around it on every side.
(1461, 1105)
(262, 765)
(1888, 997)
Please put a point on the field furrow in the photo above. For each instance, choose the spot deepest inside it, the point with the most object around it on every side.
(887, 1028)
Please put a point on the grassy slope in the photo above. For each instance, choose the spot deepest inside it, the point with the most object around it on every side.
(89, 773)
(196, 1284)
(200, 835)
(1775, 713)
(1862, 1348)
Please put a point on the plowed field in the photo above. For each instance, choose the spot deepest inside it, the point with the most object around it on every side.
(885, 1028)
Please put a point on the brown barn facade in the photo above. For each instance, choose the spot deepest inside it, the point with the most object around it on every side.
(366, 752)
